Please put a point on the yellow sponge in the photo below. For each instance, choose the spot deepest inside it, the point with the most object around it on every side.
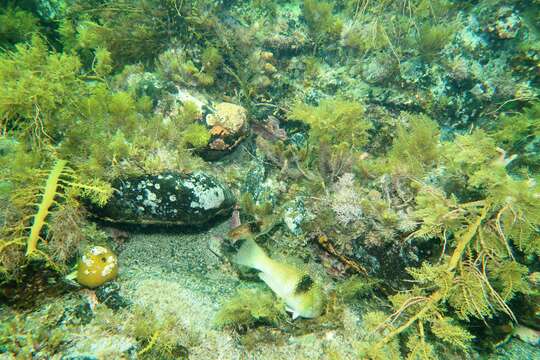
(97, 266)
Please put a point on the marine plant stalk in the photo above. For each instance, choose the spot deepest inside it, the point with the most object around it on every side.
(47, 200)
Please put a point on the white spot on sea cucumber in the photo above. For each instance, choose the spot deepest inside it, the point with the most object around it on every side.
(139, 197)
(151, 196)
(156, 185)
(172, 198)
(207, 198)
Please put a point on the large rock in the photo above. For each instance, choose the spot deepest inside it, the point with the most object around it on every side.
(228, 124)
(169, 198)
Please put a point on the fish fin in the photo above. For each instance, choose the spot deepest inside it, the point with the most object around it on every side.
(294, 314)
(250, 254)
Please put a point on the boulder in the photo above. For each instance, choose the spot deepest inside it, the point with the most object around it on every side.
(228, 124)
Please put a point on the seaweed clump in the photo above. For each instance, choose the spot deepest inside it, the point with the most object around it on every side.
(463, 201)
(334, 121)
(250, 308)
(58, 114)
(61, 182)
(518, 134)
(486, 238)
(41, 333)
(322, 23)
(16, 25)
(338, 130)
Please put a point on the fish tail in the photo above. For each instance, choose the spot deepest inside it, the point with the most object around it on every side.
(250, 254)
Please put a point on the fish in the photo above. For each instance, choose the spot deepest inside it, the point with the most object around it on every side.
(303, 297)
(247, 230)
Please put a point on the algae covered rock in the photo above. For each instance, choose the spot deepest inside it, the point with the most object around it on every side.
(169, 198)
(109, 295)
(516, 349)
(228, 125)
(295, 215)
(112, 346)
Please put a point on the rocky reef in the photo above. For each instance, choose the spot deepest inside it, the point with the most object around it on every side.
(389, 152)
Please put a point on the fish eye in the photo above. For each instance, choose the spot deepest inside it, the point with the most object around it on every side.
(104, 259)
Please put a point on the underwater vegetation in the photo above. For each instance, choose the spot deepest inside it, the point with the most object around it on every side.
(250, 307)
(377, 162)
(16, 25)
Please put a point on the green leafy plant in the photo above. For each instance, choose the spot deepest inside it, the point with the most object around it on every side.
(479, 239)
(176, 66)
(159, 336)
(518, 134)
(196, 135)
(432, 39)
(211, 60)
(55, 111)
(249, 308)
(131, 30)
(41, 332)
(37, 85)
(16, 25)
(25, 229)
(338, 130)
(322, 23)
(334, 121)
(415, 149)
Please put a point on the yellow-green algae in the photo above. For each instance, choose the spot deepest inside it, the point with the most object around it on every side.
(410, 122)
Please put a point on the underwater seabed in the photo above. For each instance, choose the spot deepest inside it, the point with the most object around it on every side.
(178, 283)
(269, 179)
(165, 305)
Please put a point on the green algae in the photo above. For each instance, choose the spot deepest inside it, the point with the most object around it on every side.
(412, 134)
